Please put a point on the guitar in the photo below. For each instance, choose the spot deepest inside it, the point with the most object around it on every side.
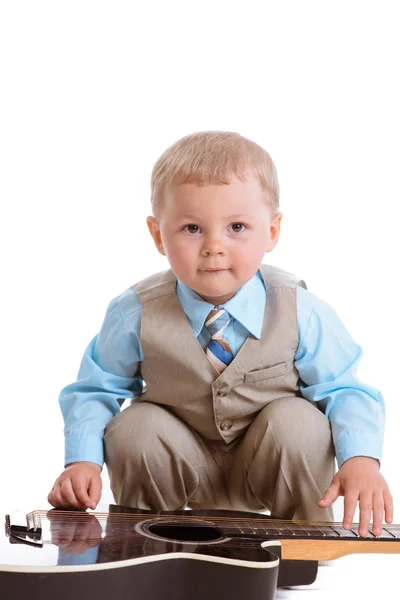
(176, 555)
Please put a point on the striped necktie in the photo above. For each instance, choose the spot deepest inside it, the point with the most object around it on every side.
(218, 350)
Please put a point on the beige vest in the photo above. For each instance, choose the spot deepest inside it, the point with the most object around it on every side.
(179, 375)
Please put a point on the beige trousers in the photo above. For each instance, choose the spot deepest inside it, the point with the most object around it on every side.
(283, 463)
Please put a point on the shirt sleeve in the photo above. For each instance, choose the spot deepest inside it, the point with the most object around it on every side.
(109, 373)
(327, 359)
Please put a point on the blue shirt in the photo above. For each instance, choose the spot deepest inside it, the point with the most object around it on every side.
(326, 360)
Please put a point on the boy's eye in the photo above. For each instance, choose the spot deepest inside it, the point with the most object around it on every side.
(235, 227)
(191, 227)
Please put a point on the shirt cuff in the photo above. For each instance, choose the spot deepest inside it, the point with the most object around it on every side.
(88, 447)
(357, 445)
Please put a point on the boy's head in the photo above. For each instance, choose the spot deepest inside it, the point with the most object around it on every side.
(215, 200)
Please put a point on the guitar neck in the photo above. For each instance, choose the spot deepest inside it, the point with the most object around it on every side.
(293, 549)
(307, 540)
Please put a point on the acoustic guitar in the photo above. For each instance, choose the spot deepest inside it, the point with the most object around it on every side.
(130, 554)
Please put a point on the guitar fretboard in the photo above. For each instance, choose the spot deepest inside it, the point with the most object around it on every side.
(293, 529)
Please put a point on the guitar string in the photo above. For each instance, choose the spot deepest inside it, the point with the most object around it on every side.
(235, 541)
(265, 524)
(189, 516)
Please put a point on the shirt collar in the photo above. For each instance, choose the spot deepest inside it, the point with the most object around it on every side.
(247, 306)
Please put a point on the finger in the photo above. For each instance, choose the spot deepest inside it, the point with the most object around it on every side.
(365, 513)
(55, 497)
(95, 490)
(51, 498)
(80, 491)
(331, 494)
(377, 509)
(349, 505)
(67, 495)
(388, 503)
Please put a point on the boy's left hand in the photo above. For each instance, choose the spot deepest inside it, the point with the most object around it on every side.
(359, 480)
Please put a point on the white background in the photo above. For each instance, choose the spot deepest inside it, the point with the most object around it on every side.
(93, 92)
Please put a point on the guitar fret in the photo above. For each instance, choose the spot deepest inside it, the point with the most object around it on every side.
(336, 530)
(370, 536)
(297, 530)
(328, 531)
(270, 530)
(264, 530)
(313, 531)
(232, 529)
(282, 529)
(254, 529)
(304, 530)
(349, 533)
(391, 534)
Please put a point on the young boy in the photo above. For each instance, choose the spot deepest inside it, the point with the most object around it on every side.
(244, 382)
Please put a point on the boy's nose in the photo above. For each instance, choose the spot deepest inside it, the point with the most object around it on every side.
(213, 246)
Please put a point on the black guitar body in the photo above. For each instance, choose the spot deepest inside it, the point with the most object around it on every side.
(165, 580)
(144, 558)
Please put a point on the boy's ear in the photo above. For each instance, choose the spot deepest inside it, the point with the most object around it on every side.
(274, 231)
(155, 234)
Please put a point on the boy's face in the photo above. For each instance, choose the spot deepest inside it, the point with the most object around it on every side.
(224, 227)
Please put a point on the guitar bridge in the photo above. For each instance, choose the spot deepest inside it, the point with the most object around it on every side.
(23, 529)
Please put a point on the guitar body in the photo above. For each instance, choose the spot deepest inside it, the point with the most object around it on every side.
(129, 554)
(177, 579)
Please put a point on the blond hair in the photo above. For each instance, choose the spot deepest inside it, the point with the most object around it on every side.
(213, 157)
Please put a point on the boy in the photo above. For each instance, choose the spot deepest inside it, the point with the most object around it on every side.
(245, 380)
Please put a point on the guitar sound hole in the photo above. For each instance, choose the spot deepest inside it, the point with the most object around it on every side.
(186, 533)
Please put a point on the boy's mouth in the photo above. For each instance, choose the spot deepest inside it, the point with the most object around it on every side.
(213, 270)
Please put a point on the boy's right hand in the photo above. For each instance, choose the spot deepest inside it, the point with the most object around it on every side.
(79, 486)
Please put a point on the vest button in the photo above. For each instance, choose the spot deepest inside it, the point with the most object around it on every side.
(222, 394)
(226, 425)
